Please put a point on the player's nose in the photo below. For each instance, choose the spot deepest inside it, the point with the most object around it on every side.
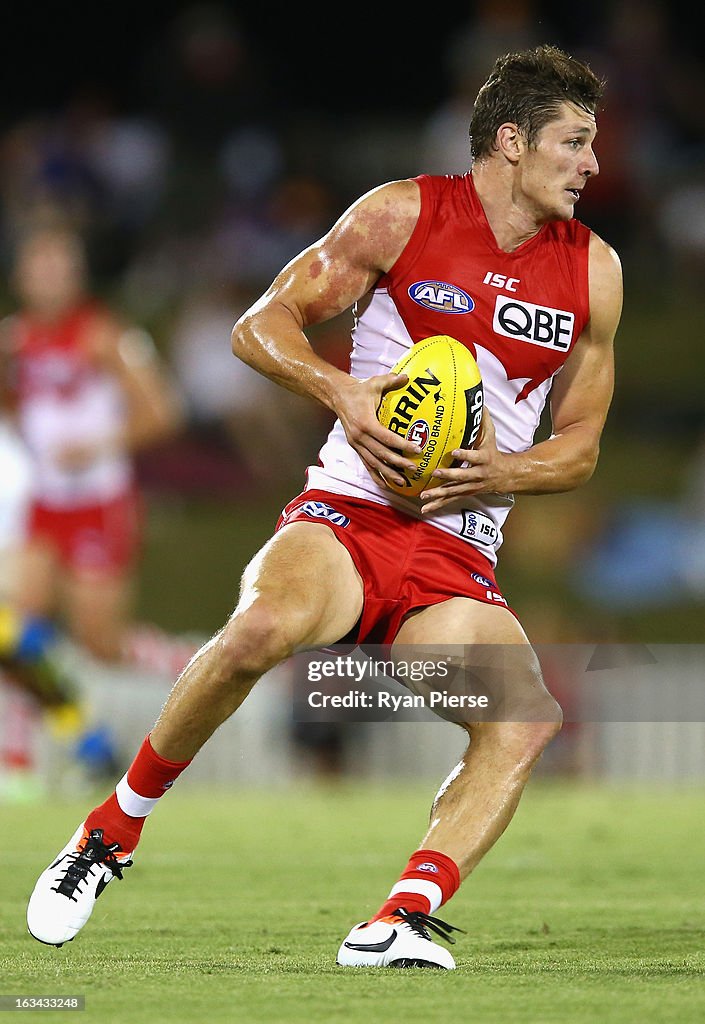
(590, 166)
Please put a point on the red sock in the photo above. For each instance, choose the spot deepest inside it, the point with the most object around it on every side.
(136, 795)
(428, 881)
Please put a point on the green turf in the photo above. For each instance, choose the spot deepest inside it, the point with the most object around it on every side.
(589, 909)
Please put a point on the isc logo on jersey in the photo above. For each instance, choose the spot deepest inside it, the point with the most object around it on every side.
(441, 297)
(539, 325)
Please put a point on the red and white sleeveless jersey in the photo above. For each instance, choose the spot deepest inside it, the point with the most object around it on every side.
(519, 313)
(63, 398)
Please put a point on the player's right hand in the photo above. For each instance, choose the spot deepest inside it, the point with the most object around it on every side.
(382, 451)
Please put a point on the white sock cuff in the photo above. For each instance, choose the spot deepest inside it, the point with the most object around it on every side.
(432, 891)
(132, 803)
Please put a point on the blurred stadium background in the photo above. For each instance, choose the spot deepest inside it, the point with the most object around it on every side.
(197, 149)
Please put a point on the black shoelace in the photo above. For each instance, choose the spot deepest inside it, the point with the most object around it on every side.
(95, 852)
(422, 923)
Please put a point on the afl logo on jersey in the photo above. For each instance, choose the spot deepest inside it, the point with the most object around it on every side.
(441, 297)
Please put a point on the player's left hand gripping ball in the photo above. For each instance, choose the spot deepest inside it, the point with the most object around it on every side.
(440, 409)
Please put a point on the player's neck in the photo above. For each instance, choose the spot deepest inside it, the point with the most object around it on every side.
(510, 223)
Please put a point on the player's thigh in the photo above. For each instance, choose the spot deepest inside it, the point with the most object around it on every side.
(36, 577)
(97, 607)
(306, 579)
(461, 620)
(488, 653)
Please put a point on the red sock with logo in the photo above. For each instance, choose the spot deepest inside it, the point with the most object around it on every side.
(428, 881)
(136, 795)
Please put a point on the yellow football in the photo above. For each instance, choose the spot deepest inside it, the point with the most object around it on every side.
(440, 408)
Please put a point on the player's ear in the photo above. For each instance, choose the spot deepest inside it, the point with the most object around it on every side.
(509, 141)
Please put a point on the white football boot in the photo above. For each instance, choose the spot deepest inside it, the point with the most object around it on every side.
(400, 940)
(65, 894)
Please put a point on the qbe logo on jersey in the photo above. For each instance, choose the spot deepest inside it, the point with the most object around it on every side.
(539, 325)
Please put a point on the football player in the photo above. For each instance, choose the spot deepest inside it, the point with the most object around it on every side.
(496, 258)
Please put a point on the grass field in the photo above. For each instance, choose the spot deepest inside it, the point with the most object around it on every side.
(590, 908)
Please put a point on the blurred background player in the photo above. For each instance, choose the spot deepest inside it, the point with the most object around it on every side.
(31, 675)
(87, 392)
(82, 392)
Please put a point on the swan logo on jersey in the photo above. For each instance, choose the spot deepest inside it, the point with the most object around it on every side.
(319, 510)
(441, 297)
(482, 580)
(539, 325)
(419, 432)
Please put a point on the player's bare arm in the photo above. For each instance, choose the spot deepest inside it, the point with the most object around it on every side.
(580, 400)
(154, 409)
(322, 282)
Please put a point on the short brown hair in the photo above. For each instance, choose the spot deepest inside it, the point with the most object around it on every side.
(527, 89)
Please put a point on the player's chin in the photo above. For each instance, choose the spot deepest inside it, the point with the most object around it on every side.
(567, 207)
(561, 210)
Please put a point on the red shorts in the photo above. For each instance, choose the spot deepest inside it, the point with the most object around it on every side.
(96, 538)
(405, 564)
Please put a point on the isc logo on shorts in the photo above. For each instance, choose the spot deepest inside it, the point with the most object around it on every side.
(319, 510)
(539, 325)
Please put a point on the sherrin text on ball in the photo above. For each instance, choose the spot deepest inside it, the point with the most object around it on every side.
(440, 408)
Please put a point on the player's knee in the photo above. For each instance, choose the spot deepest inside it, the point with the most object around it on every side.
(540, 734)
(259, 637)
(541, 724)
(101, 643)
(251, 643)
(530, 707)
(534, 737)
(521, 742)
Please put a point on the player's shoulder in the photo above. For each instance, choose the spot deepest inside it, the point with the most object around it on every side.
(99, 328)
(378, 225)
(603, 257)
(401, 196)
(606, 287)
(96, 312)
(605, 271)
